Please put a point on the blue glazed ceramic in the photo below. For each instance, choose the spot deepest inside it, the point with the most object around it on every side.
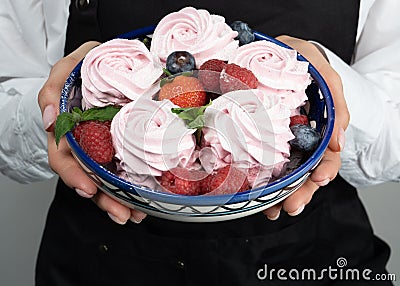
(205, 208)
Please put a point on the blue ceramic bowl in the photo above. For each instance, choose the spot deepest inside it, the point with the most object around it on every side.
(205, 208)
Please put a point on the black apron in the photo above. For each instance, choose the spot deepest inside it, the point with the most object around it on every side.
(82, 246)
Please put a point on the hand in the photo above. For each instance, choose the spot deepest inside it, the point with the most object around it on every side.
(330, 163)
(61, 159)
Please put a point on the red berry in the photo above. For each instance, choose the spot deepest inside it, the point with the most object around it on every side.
(209, 75)
(234, 77)
(78, 130)
(298, 119)
(81, 125)
(183, 181)
(184, 91)
(227, 180)
(95, 140)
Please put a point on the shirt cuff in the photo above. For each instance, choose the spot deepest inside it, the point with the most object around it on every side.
(369, 156)
(23, 149)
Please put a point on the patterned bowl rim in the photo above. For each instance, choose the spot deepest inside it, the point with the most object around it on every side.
(205, 200)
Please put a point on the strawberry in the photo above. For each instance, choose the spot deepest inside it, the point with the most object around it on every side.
(227, 180)
(298, 119)
(183, 181)
(209, 74)
(95, 139)
(234, 77)
(184, 91)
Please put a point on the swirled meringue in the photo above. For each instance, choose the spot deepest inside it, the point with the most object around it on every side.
(204, 35)
(277, 69)
(249, 129)
(148, 138)
(117, 72)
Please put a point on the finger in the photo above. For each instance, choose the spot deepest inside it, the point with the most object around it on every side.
(296, 202)
(137, 216)
(49, 95)
(62, 162)
(313, 54)
(327, 169)
(342, 115)
(273, 212)
(115, 210)
(325, 172)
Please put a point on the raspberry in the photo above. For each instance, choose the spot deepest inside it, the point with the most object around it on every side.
(227, 180)
(95, 140)
(298, 119)
(184, 91)
(77, 131)
(234, 77)
(209, 75)
(183, 181)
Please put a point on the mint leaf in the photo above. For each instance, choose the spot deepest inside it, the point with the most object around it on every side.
(77, 110)
(193, 117)
(64, 123)
(197, 123)
(189, 113)
(100, 113)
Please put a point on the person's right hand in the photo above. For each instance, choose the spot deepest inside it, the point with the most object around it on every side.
(60, 158)
(330, 163)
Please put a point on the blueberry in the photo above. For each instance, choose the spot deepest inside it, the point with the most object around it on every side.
(180, 61)
(296, 158)
(245, 35)
(306, 138)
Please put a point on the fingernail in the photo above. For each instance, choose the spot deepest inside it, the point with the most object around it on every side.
(323, 183)
(341, 139)
(83, 194)
(133, 219)
(298, 211)
(49, 116)
(115, 219)
(274, 217)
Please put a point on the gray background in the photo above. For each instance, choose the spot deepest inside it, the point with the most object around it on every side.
(23, 211)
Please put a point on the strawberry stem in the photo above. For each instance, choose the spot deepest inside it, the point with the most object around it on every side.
(167, 72)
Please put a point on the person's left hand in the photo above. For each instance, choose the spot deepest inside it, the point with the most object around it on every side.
(329, 166)
(60, 157)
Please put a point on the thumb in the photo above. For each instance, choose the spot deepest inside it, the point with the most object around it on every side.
(49, 95)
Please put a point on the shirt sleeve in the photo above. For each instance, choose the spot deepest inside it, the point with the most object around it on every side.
(33, 41)
(23, 147)
(372, 91)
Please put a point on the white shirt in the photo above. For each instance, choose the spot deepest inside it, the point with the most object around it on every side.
(32, 40)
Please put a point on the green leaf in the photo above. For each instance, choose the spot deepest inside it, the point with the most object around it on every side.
(147, 42)
(167, 72)
(64, 123)
(166, 80)
(197, 123)
(100, 113)
(189, 113)
(77, 110)
(193, 116)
